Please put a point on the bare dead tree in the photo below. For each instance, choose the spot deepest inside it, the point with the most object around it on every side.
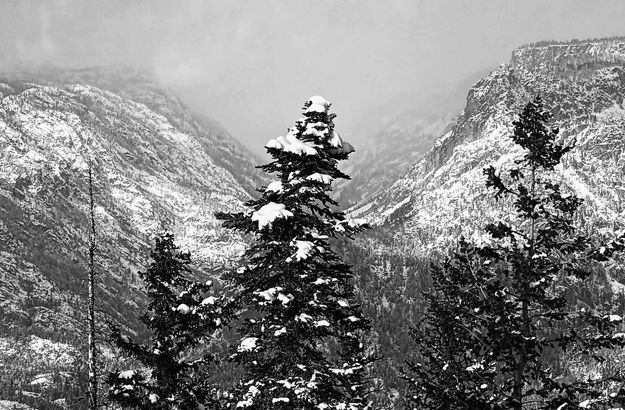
(93, 377)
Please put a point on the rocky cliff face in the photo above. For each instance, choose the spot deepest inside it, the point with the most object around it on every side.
(443, 195)
(156, 164)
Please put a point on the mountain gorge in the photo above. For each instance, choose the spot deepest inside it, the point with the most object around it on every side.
(156, 165)
(396, 135)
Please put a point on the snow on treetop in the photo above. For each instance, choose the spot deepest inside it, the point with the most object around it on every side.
(303, 249)
(251, 393)
(323, 178)
(272, 294)
(285, 299)
(321, 323)
(126, 374)
(345, 148)
(335, 140)
(317, 104)
(316, 129)
(209, 301)
(290, 143)
(280, 331)
(351, 222)
(275, 186)
(269, 294)
(269, 213)
(184, 309)
(303, 317)
(248, 344)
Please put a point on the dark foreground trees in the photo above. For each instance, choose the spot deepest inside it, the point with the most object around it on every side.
(301, 344)
(173, 366)
(500, 315)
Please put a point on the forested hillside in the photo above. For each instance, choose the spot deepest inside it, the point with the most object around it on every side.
(156, 164)
(228, 325)
(444, 196)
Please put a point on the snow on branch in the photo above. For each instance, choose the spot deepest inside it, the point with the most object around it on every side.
(269, 213)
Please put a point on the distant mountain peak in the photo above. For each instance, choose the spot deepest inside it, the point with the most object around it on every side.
(569, 56)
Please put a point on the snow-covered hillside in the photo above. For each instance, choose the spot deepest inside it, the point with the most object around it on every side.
(443, 195)
(156, 165)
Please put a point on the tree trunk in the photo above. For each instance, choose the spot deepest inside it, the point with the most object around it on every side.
(517, 392)
(93, 377)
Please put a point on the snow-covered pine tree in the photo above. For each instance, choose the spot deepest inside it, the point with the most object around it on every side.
(301, 344)
(181, 316)
(497, 312)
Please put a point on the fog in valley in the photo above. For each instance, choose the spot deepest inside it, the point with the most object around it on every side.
(251, 64)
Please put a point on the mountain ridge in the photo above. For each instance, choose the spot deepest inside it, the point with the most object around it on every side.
(582, 83)
(159, 167)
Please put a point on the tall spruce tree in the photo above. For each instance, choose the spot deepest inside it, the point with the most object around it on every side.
(301, 345)
(182, 316)
(497, 313)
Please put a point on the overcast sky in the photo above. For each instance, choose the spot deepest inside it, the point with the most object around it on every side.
(251, 64)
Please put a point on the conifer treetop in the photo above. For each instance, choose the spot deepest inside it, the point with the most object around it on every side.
(499, 314)
(300, 346)
(181, 315)
(305, 161)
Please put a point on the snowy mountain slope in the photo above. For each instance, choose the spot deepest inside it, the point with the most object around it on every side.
(443, 195)
(156, 164)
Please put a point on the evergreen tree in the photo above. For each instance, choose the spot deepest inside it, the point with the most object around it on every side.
(181, 317)
(301, 345)
(498, 313)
